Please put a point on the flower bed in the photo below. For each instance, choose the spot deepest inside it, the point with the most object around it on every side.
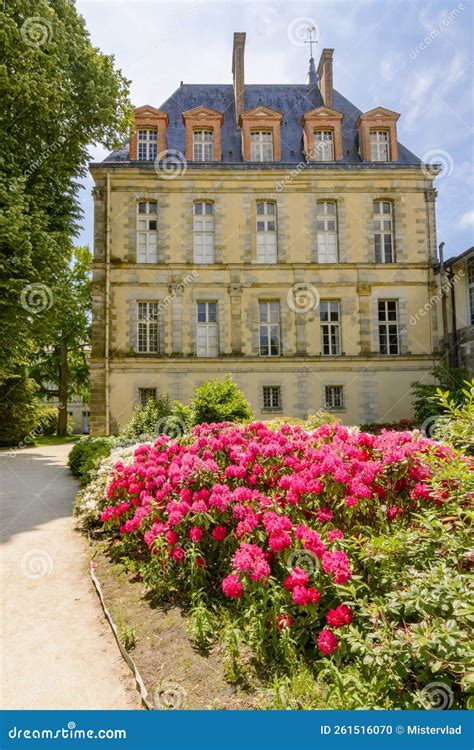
(276, 535)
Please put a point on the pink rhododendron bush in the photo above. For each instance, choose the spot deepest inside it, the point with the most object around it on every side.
(336, 560)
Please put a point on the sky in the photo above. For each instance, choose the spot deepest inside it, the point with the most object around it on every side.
(411, 56)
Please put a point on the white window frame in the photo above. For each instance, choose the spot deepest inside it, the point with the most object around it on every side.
(203, 144)
(470, 289)
(207, 329)
(330, 326)
(147, 327)
(384, 236)
(147, 232)
(204, 232)
(379, 145)
(334, 396)
(326, 231)
(261, 145)
(388, 327)
(145, 394)
(271, 398)
(323, 144)
(266, 232)
(147, 144)
(269, 328)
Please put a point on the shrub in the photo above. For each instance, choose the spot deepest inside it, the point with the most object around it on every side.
(48, 422)
(425, 404)
(375, 428)
(148, 419)
(20, 411)
(219, 401)
(456, 426)
(86, 455)
(337, 552)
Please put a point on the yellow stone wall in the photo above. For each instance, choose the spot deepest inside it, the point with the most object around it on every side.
(376, 387)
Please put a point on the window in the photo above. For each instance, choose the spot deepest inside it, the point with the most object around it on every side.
(326, 231)
(269, 328)
(202, 145)
(323, 145)
(383, 232)
(379, 145)
(388, 326)
(334, 397)
(145, 395)
(206, 330)
(329, 316)
(470, 286)
(272, 397)
(147, 145)
(203, 232)
(147, 251)
(266, 232)
(147, 327)
(261, 145)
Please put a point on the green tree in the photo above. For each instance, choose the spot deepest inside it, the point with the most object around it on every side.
(58, 94)
(425, 402)
(219, 401)
(62, 362)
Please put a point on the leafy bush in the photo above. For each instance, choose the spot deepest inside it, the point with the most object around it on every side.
(20, 411)
(425, 404)
(337, 558)
(48, 422)
(148, 419)
(219, 401)
(86, 455)
(456, 426)
(375, 428)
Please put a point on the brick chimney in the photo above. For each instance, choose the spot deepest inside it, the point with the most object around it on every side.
(238, 71)
(325, 77)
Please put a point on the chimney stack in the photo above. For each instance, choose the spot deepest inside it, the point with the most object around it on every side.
(325, 77)
(238, 71)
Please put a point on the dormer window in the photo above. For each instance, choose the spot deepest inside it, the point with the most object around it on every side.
(147, 144)
(261, 145)
(202, 145)
(379, 145)
(323, 145)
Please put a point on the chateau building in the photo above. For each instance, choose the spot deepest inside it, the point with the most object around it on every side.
(275, 232)
(456, 309)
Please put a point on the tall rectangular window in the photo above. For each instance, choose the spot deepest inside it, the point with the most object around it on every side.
(261, 145)
(145, 395)
(330, 321)
(266, 232)
(334, 397)
(388, 326)
(272, 397)
(323, 145)
(206, 329)
(147, 249)
(269, 328)
(204, 232)
(202, 145)
(147, 327)
(379, 145)
(147, 144)
(383, 232)
(470, 286)
(326, 231)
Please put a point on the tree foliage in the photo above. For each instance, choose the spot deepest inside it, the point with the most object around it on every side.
(219, 401)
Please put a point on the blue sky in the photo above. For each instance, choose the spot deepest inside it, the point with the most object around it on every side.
(412, 56)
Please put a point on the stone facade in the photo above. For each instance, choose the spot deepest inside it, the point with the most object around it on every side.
(454, 296)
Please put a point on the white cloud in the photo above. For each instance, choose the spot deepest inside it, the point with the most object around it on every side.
(467, 219)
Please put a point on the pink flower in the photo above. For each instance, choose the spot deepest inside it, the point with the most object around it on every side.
(303, 596)
(337, 564)
(177, 553)
(284, 621)
(338, 617)
(196, 534)
(327, 642)
(232, 587)
(334, 535)
(297, 577)
(219, 533)
(324, 514)
(250, 558)
(171, 537)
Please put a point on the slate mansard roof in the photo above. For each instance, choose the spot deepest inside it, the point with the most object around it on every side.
(292, 100)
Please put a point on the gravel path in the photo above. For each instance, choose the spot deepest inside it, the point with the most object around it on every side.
(57, 650)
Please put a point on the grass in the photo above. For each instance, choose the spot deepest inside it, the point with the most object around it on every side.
(57, 439)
